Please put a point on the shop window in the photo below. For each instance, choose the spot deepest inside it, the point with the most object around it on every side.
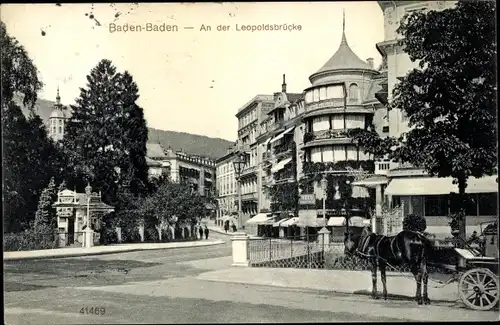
(436, 205)
(488, 204)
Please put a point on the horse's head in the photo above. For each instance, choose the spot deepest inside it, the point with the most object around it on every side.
(353, 237)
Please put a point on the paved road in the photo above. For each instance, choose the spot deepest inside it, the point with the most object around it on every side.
(161, 287)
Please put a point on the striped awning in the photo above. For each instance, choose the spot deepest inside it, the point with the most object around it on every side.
(290, 222)
(353, 221)
(282, 134)
(258, 218)
(279, 223)
(280, 165)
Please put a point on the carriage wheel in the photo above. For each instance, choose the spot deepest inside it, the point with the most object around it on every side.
(478, 289)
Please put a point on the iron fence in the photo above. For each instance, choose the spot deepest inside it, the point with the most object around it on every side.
(70, 239)
(310, 252)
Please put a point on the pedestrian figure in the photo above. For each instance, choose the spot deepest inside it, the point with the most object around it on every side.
(206, 232)
(226, 227)
(234, 227)
(201, 232)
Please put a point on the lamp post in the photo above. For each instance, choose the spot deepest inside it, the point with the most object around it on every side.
(324, 184)
(347, 216)
(238, 163)
(88, 193)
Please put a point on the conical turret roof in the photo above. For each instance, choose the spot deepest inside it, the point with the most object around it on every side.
(344, 58)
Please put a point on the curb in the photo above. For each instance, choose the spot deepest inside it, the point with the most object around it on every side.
(128, 250)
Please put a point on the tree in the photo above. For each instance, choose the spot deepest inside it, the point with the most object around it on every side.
(450, 100)
(27, 151)
(19, 74)
(172, 203)
(45, 216)
(107, 134)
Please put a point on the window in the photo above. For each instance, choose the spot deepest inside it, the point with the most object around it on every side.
(436, 205)
(488, 204)
(353, 92)
(60, 129)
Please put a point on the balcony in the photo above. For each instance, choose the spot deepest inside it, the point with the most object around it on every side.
(284, 148)
(276, 126)
(248, 171)
(249, 196)
(325, 134)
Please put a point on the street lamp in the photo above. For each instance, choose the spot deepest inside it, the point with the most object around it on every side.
(324, 184)
(238, 163)
(347, 216)
(88, 193)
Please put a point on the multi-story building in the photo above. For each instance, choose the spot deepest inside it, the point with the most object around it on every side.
(341, 98)
(249, 118)
(197, 171)
(227, 187)
(411, 187)
(279, 154)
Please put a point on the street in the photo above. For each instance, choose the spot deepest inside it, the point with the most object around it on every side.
(161, 287)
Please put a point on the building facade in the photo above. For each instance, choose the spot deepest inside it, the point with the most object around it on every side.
(249, 117)
(410, 187)
(226, 185)
(58, 119)
(198, 172)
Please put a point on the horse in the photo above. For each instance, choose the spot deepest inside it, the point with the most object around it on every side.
(407, 247)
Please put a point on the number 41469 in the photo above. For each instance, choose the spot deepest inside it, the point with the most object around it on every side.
(93, 311)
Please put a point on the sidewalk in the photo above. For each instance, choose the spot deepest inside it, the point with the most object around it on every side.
(100, 250)
(353, 282)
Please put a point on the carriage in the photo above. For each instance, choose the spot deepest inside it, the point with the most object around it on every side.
(478, 270)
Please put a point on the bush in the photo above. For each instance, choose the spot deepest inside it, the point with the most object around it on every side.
(42, 237)
(109, 236)
(151, 235)
(414, 222)
(130, 235)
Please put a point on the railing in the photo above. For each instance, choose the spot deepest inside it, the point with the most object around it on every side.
(276, 125)
(283, 148)
(248, 170)
(325, 134)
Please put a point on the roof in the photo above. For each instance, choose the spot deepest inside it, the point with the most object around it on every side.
(344, 59)
(153, 163)
(155, 150)
(376, 85)
(293, 97)
(58, 113)
(256, 99)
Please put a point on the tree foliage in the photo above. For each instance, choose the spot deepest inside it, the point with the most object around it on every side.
(46, 214)
(29, 155)
(19, 74)
(106, 135)
(450, 100)
(171, 203)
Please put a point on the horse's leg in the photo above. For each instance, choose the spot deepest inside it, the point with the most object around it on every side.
(417, 273)
(425, 278)
(373, 262)
(382, 265)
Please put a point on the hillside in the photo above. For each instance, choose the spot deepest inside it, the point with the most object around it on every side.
(190, 143)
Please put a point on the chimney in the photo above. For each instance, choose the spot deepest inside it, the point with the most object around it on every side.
(370, 62)
(283, 86)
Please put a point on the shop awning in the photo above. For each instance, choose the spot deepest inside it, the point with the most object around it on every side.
(282, 134)
(260, 217)
(290, 222)
(280, 165)
(371, 181)
(353, 221)
(280, 222)
(439, 186)
(266, 142)
(269, 222)
(224, 218)
(318, 222)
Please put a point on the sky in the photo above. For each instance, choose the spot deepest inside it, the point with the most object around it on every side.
(191, 80)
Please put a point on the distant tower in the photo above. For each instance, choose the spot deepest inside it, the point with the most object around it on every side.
(57, 120)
